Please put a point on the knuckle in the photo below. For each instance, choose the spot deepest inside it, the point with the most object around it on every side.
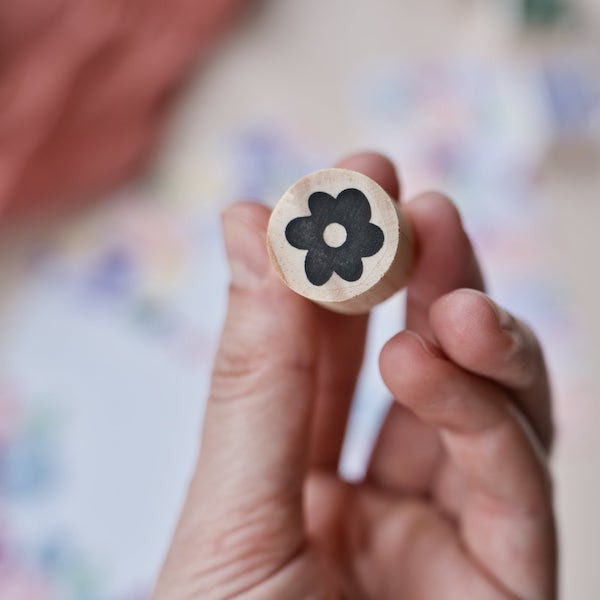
(237, 374)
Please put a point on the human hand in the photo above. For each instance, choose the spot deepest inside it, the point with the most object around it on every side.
(85, 87)
(457, 501)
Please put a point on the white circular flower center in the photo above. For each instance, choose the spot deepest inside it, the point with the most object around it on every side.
(334, 235)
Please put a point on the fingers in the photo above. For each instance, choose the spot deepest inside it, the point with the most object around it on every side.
(277, 353)
(341, 350)
(406, 455)
(341, 345)
(244, 506)
(257, 417)
(376, 166)
(443, 395)
(483, 338)
(444, 259)
(508, 498)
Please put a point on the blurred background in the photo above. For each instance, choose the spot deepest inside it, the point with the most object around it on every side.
(127, 126)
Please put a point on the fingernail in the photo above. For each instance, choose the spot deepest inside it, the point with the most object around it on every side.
(427, 346)
(245, 247)
(507, 325)
(506, 321)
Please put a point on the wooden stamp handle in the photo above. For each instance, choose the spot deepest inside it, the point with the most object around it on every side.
(337, 238)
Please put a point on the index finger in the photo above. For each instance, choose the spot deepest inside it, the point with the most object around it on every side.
(341, 342)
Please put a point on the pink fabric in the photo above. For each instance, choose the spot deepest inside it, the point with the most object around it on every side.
(84, 86)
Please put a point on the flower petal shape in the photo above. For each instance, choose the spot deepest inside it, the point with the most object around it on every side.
(352, 211)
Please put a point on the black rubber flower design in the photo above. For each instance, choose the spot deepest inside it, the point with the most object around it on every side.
(350, 210)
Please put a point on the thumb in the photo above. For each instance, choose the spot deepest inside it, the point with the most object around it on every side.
(247, 489)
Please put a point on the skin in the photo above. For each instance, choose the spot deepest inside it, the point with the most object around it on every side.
(85, 89)
(457, 500)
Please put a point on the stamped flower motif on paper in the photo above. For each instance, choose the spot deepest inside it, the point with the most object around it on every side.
(338, 235)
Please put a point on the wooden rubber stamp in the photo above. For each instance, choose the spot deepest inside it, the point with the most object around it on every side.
(337, 238)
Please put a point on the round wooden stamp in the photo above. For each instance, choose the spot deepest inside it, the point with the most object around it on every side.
(337, 238)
